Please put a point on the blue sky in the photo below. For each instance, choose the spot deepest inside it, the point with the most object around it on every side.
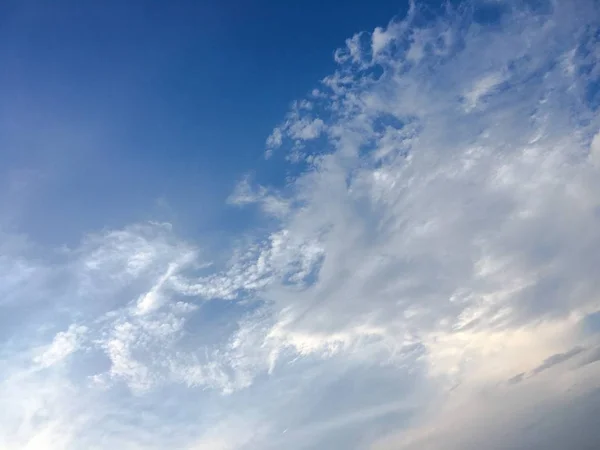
(164, 100)
(263, 225)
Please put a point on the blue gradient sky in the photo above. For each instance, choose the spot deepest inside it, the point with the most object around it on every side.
(114, 105)
(329, 225)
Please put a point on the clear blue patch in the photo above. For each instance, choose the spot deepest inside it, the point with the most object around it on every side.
(541, 7)
(374, 72)
(387, 120)
(591, 322)
(592, 94)
(214, 322)
(490, 14)
(588, 68)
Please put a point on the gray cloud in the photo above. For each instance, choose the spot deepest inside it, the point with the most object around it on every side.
(591, 357)
(517, 378)
(558, 358)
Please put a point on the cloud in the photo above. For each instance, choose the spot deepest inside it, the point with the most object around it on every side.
(481, 88)
(299, 126)
(546, 413)
(63, 344)
(558, 358)
(517, 378)
(595, 150)
(439, 235)
(270, 203)
(592, 357)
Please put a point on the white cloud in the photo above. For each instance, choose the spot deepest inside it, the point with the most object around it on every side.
(299, 126)
(481, 88)
(394, 32)
(63, 344)
(274, 141)
(229, 434)
(380, 39)
(306, 129)
(270, 203)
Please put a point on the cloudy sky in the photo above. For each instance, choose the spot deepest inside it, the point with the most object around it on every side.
(332, 225)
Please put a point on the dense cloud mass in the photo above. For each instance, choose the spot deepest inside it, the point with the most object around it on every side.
(425, 276)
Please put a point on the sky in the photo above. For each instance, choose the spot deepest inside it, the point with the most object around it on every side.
(317, 225)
